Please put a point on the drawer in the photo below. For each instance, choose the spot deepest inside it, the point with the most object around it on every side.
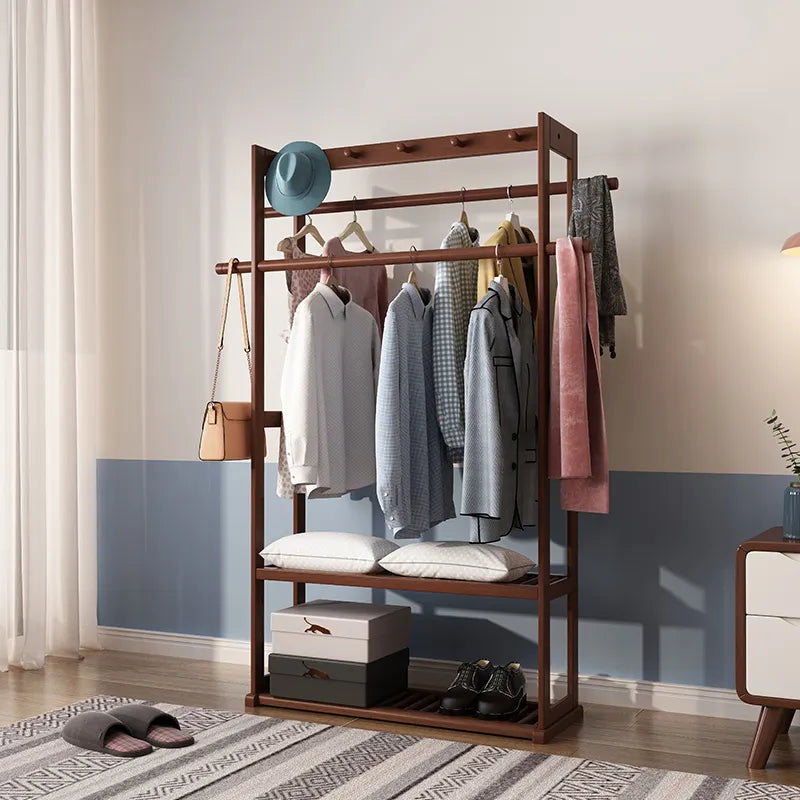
(772, 584)
(773, 652)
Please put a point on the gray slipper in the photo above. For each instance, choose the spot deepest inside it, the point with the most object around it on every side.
(96, 730)
(152, 725)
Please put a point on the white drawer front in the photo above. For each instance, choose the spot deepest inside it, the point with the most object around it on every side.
(773, 584)
(773, 651)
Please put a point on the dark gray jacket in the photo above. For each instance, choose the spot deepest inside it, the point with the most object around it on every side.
(593, 218)
(500, 386)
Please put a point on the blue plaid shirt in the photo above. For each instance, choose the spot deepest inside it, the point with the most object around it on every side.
(415, 479)
(455, 295)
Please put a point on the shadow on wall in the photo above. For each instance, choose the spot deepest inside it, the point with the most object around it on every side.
(656, 578)
(659, 572)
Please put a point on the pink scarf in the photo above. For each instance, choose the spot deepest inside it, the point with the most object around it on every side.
(578, 449)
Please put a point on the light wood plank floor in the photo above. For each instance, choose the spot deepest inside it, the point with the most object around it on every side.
(645, 738)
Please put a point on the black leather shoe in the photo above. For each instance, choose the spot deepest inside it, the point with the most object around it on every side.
(462, 695)
(504, 694)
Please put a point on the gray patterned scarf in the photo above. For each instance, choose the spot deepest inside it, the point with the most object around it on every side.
(593, 219)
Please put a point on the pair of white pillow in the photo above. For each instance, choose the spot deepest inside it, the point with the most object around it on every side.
(355, 553)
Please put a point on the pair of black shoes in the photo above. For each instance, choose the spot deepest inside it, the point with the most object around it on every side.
(485, 690)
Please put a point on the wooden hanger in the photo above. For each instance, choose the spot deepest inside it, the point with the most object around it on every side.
(412, 276)
(309, 229)
(499, 277)
(285, 245)
(353, 227)
(326, 276)
(463, 218)
(512, 216)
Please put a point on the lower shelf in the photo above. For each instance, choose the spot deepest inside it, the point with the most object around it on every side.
(415, 707)
(524, 588)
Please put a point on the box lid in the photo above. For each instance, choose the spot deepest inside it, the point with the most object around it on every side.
(340, 618)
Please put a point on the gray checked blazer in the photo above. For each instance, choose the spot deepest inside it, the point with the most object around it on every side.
(500, 385)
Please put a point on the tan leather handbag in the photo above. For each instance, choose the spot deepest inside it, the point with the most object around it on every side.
(226, 432)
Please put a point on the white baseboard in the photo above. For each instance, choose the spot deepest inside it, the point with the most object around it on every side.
(434, 674)
(177, 645)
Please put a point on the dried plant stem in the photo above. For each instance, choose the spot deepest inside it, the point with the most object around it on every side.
(789, 450)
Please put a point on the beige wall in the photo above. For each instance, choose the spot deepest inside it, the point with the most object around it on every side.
(692, 105)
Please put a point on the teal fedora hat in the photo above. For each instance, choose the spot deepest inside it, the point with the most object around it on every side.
(298, 179)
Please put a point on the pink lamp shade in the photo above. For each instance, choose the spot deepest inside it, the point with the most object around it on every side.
(791, 247)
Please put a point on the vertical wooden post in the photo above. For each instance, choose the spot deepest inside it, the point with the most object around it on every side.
(259, 162)
(299, 498)
(572, 516)
(543, 366)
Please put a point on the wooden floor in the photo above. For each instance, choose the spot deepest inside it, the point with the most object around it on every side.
(645, 738)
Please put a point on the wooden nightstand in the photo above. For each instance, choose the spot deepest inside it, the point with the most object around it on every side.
(768, 635)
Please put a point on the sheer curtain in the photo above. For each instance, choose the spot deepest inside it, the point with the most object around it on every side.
(48, 559)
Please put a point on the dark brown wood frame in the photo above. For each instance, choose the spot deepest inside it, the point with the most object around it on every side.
(776, 712)
(541, 720)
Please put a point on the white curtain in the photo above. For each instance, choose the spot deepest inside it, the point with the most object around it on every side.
(48, 558)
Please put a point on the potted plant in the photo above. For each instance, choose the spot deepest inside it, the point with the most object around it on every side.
(791, 497)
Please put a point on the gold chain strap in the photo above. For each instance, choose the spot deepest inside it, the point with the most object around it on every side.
(245, 334)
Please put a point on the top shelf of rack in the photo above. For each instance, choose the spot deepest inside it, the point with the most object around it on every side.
(410, 151)
(559, 138)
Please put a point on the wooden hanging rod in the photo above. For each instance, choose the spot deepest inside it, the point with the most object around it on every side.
(435, 198)
(397, 257)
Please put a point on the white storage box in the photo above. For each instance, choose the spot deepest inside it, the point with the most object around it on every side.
(342, 631)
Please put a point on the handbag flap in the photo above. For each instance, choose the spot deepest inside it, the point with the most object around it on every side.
(235, 410)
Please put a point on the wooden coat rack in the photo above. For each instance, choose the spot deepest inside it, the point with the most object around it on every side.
(541, 720)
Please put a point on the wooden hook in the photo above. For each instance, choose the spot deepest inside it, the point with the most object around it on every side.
(456, 142)
(402, 147)
(348, 153)
(513, 135)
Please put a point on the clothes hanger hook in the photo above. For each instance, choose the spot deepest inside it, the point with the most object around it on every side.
(411, 253)
(463, 189)
(508, 195)
(497, 253)
(326, 272)
(355, 216)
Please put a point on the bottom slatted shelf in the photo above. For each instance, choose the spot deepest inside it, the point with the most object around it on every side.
(416, 707)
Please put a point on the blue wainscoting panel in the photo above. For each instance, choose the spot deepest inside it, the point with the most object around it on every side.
(657, 592)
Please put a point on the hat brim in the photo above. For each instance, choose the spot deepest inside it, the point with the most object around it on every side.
(295, 205)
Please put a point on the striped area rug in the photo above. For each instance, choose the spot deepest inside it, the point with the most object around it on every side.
(248, 757)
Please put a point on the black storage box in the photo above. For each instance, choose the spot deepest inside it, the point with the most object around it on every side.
(346, 683)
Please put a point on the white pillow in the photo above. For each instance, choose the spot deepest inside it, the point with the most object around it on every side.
(461, 561)
(328, 552)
